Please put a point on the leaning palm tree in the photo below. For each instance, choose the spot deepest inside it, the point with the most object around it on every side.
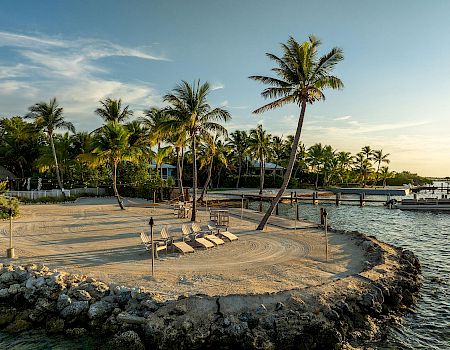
(111, 146)
(301, 78)
(190, 110)
(260, 146)
(111, 111)
(49, 117)
(379, 157)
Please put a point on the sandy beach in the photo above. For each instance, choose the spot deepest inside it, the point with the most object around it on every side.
(94, 237)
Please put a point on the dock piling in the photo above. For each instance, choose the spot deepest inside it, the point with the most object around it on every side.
(338, 199)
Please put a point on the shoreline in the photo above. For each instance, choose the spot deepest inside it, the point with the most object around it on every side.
(346, 311)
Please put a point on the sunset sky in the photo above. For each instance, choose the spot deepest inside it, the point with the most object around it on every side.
(396, 69)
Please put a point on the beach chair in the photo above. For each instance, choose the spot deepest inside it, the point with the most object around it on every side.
(195, 239)
(159, 245)
(182, 247)
(196, 229)
(228, 235)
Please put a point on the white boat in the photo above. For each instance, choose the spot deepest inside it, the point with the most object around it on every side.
(428, 204)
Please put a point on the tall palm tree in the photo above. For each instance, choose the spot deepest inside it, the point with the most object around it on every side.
(159, 157)
(153, 121)
(111, 111)
(238, 141)
(190, 110)
(49, 117)
(379, 157)
(363, 167)
(315, 159)
(344, 161)
(301, 78)
(385, 174)
(259, 145)
(368, 152)
(111, 146)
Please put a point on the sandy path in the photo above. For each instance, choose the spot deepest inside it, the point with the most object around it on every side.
(95, 237)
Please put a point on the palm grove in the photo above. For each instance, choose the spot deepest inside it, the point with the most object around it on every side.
(191, 134)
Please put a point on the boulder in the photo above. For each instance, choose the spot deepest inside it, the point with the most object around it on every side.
(75, 309)
(7, 277)
(131, 319)
(54, 325)
(18, 326)
(4, 293)
(63, 301)
(129, 340)
(7, 315)
(100, 309)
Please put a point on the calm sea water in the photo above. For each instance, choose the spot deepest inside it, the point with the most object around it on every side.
(427, 234)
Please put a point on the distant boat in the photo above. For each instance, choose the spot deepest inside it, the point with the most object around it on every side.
(427, 204)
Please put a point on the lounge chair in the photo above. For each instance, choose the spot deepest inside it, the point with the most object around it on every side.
(228, 235)
(183, 247)
(195, 238)
(159, 245)
(196, 229)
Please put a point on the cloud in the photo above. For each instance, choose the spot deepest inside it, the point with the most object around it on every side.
(217, 86)
(346, 117)
(71, 70)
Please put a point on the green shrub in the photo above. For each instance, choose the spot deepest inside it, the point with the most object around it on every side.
(5, 204)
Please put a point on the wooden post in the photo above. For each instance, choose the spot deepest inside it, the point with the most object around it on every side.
(10, 251)
(322, 222)
(338, 199)
(242, 207)
(276, 209)
(260, 204)
(297, 216)
(292, 194)
(325, 215)
(315, 198)
(361, 199)
(151, 222)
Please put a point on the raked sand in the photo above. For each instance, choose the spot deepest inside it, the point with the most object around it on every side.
(94, 237)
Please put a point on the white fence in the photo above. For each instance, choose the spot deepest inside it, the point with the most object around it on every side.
(56, 193)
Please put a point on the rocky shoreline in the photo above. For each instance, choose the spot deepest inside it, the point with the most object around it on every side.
(344, 313)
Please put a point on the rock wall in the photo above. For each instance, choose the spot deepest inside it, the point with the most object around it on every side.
(330, 316)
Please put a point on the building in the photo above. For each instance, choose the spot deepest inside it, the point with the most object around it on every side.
(269, 167)
(168, 170)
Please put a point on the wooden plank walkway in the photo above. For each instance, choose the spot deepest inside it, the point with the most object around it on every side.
(277, 221)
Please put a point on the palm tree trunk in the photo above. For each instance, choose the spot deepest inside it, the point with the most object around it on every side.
(239, 173)
(116, 193)
(194, 179)
(261, 174)
(287, 175)
(208, 180)
(55, 158)
(180, 180)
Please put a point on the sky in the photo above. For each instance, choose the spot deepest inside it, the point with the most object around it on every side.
(396, 70)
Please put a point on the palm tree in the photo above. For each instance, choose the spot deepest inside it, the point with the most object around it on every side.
(314, 158)
(379, 157)
(301, 78)
(159, 158)
(363, 167)
(153, 121)
(111, 111)
(368, 152)
(238, 141)
(49, 117)
(111, 146)
(344, 161)
(259, 145)
(190, 110)
(385, 174)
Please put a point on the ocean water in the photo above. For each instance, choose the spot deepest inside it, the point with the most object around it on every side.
(427, 234)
